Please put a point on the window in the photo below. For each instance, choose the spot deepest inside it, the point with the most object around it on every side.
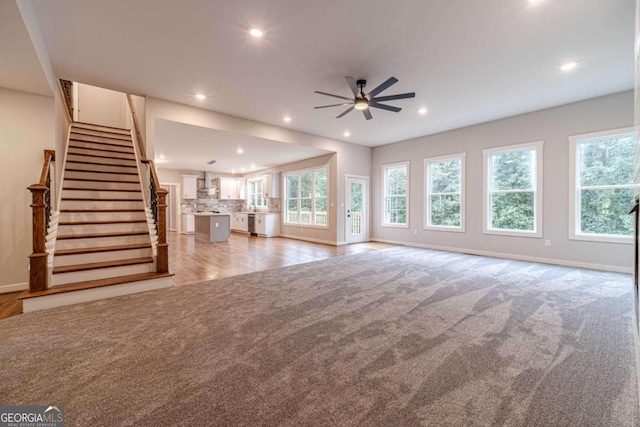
(254, 195)
(513, 190)
(306, 197)
(444, 201)
(396, 195)
(602, 185)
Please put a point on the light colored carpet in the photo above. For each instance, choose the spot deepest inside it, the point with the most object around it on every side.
(396, 337)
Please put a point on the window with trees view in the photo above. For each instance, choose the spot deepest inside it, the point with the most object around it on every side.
(601, 178)
(513, 190)
(254, 196)
(444, 201)
(396, 192)
(306, 197)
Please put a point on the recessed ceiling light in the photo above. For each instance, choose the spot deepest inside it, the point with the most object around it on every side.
(200, 96)
(253, 165)
(347, 134)
(256, 32)
(423, 111)
(233, 171)
(534, 1)
(241, 169)
(240, 150)
(569, 66)
(287, 119)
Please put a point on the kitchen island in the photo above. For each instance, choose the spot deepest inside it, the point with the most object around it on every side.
(212, 227)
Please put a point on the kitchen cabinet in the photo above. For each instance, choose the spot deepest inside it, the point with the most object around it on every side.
(267, 225)
(189, 187)
(232, 188)
(271, 185)
(188, 224)
(241, 222)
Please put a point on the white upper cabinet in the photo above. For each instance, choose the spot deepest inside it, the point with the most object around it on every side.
(189, 187)
(271, 184)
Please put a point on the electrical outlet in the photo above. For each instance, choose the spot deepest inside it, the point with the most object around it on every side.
(217, 225)
(547, 242)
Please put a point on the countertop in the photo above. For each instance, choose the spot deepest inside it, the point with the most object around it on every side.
(206, 214)
(261, 213)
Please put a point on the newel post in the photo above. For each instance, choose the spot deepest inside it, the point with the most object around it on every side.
(163, 247)
(38, 277)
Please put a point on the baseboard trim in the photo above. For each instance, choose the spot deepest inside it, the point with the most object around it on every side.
(15, 287)
(563, 262)
(310, 239)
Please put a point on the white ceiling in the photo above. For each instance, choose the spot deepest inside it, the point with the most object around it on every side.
(19, 65)
(190, 147)
(468, 61)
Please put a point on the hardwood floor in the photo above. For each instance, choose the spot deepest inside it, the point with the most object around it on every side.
(193, 261)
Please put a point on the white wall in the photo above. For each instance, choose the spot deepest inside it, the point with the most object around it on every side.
(26, 130)
(553, 126)
(102, 106)
(350, 158)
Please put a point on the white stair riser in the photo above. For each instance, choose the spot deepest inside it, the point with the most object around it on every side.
(100, 242)
(99, 176)
(97, 185)
(69, 230)
(86, 295)
(101, 273)
(101, 216)
(89, 152)
(86, 126)
(97, 194)
(61, 261)
(103, 139)
(101, 160)
(97, 204)
(104, 168)
(101, 147)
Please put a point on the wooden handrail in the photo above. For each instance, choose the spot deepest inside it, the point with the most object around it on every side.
(154, 175)
(162, 264)
(136, 128)
(67, 98)
(38, 275)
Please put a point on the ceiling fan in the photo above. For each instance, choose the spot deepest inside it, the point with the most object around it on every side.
(362, 102)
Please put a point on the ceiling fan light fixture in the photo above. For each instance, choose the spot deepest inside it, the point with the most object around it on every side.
(361, 104)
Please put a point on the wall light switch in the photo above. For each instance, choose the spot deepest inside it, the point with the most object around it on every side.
(217, 225)
(342, 204)
(547, 242)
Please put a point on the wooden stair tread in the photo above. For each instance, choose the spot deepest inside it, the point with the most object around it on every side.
(105, 134)
(99, 155)
(103, 264)
(100, 164)
(99, 210)
(99, 189)
(115, 221)
(80, 251)
(99, 235)
(100, 126)
(101, 180)
(93, 199)
(94, 284)
(103, 147)
(95, 171)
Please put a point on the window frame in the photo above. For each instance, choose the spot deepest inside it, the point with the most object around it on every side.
(575, 188)
(249, 194)
(384, 167)
(285, 198)
(427, 192)
(537, 232)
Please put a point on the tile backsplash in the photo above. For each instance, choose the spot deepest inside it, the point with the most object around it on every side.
(209, 204)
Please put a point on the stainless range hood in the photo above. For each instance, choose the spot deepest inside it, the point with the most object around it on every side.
(208, 185)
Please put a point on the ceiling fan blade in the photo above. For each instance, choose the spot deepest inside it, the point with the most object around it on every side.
(352, 85)
(385, 107)
(387, 84)
(394, 97)
(335, 96)
(345, 112)
(334, 105)
(367, 114)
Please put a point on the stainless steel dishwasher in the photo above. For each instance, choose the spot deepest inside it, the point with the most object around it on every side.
(251, 223)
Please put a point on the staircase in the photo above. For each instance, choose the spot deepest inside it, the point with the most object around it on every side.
(101, 241)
